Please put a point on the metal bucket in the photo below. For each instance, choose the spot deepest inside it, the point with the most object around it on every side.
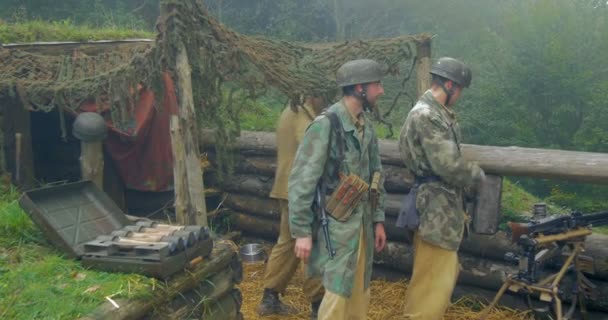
(252, 252)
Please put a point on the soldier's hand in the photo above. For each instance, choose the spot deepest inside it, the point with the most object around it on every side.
(303, 247)
(380, 236)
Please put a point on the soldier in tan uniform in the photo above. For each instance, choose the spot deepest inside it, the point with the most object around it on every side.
(430, 148)
(283, 262)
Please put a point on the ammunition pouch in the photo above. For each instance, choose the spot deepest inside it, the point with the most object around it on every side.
(346, 197)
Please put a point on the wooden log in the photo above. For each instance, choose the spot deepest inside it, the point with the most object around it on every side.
(210, 289)
(246, 197)
(257, 165)
(221, 257)
(248, 184)
(396, 179)
(503, 161)
(258, 215)
(260, 227)
(261, 207)
(260, 186)
(228, 307)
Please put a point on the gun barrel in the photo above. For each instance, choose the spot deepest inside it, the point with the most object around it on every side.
(596, 219)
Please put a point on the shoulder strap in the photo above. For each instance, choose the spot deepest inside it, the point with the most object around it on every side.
(338, 132)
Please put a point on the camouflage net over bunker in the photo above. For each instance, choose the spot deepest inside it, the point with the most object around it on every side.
(227, 67)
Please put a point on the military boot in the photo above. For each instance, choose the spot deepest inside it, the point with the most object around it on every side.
(314, 310)
(271, 305)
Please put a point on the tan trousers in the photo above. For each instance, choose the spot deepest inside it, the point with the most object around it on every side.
(433, 280)
(283, 262)
(337, 307)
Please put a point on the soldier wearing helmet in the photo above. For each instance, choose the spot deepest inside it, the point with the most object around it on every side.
(339, 145)
(361, 79)
(429, 143)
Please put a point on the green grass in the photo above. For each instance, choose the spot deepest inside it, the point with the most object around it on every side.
(259, 117)
(63, 30)
(37, 282)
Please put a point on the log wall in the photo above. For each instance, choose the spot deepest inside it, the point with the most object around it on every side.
(250, 209)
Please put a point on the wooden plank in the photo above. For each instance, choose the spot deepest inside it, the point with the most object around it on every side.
(196, 208)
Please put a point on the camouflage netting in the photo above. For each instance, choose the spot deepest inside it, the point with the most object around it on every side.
(225, 65)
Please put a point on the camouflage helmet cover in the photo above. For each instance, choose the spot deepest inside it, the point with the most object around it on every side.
(453, 69)
(358, 72)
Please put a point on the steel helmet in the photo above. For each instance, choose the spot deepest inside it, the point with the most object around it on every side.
(453, 69)
(359, 71)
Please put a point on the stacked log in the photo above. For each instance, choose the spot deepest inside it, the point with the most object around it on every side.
(251, 211)
(206, 291)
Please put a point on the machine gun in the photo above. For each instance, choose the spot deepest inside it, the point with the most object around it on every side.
(556, 224)
(544, 238)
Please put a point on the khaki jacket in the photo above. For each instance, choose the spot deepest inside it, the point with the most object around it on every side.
(290, 130)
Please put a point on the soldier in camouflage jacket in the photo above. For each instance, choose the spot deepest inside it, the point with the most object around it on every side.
(346, 276)
(430, 148)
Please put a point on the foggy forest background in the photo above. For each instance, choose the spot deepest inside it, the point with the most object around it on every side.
(540, 66)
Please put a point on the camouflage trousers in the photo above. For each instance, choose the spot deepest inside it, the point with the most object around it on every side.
(433, 280)
(283, 263)
(337, 307)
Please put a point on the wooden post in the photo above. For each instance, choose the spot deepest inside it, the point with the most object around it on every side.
(179, 171)
(189, 190)
(16, 120)
(91, 162)
(423, 67)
